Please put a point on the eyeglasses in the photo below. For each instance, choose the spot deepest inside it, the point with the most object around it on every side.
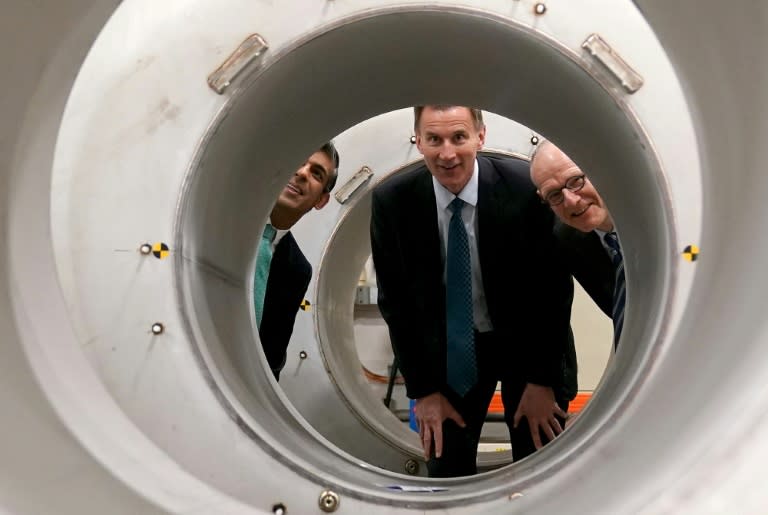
(557, 197)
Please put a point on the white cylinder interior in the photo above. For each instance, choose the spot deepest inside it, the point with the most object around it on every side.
(185, 423)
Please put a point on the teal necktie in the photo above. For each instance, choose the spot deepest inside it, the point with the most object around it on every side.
(263, 260)
(461, 359)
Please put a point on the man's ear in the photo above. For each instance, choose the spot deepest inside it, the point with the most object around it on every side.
(418, 143)
(324, 198)
(481, 136)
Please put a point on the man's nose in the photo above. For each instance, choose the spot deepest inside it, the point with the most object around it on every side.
(570, 197)
(303, 170)
(447, 152)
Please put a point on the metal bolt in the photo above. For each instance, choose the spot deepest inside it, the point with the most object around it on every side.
(412, 467)
(146, 249)
(329, 501)
(413, 140)
(279, 509)
(303, 354)
(539, 8)
(534, 140)
(158, 328)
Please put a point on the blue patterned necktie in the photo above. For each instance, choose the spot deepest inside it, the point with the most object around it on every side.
(263, 260)
(619, 289)
(461, 360)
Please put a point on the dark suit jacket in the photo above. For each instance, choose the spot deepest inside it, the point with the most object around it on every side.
(528, 295)
(583, 254)
(289, 275)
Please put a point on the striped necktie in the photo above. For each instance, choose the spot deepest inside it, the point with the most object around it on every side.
(461, 360)
(619, 289)
(263, 261)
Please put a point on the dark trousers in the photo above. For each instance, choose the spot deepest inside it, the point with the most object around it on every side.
(459, 456)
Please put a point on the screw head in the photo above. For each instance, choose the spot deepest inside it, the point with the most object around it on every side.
(329, 501)
(158, 328)
(412, 467)
(145, 249)
(540, 8)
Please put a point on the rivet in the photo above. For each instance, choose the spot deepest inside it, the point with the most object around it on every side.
(279, 509)
(158, 328)
(413, 140)
(303, 354)
(412, 467)
(329, 501)
(145, 249)
(534, 140)
(539, 8)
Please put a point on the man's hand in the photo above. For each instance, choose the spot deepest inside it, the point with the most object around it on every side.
(430, 413)
(538, 406)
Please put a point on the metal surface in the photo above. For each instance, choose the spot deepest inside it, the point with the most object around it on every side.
(143, 429)
(329, 501)
(599, 49)
(244, 55)
(357, 181)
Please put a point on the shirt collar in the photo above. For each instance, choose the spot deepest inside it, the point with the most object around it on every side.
(602, 234)
(279, 234)
(468, 194)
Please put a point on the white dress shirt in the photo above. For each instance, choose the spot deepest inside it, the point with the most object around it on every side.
(278, 236)
(443, 197)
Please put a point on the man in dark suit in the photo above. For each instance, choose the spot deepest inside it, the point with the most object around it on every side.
(584, 229)
(281, 265)
(511, 325)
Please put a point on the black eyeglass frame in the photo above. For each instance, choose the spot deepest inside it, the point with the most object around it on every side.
(573, 184)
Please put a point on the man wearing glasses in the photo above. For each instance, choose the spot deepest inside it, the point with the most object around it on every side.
(282, 272)
(585, 230)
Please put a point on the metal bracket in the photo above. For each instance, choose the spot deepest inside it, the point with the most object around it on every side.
(357, 181)
(252, 48)
(601, 51)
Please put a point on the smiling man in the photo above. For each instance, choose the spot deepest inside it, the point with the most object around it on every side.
(585, 230)
(471, 292)
(282, 272)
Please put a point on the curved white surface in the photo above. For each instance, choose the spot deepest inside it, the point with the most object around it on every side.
(178, 423)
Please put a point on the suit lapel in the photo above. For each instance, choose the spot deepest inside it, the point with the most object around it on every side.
(426, 235)
(488, 190)
(420, 237)
(590, 246)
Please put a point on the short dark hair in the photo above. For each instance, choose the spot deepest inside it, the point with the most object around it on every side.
(329, 150)
(477, 114)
